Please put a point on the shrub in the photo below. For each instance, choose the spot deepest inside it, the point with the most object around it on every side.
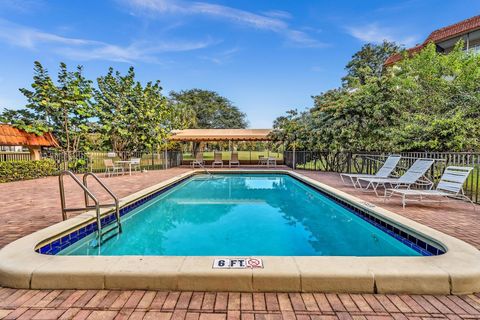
(24, 170)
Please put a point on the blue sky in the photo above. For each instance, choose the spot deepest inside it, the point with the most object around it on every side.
(265, 56)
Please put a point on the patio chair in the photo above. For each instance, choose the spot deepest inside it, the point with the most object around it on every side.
(271, 161)
(234, 160)
(384, 172)
(217, 159)
(135, 163)
(198, 160)
(450, 186)
(414, 175)
(262, 161)
(111, 168)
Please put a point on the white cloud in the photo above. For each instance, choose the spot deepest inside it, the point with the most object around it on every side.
(85, 49)
(222, 57)
(22, 6)
(273, 21)
(374, 33)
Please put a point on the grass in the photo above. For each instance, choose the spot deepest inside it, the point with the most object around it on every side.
(242, 155)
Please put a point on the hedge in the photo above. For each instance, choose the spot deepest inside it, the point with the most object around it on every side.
(24, 170)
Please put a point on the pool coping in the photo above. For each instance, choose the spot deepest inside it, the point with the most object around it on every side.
(455, 272)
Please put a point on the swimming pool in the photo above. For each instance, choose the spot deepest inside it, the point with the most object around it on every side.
(245, 215)
(52, 258)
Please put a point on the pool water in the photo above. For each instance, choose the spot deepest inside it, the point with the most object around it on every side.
(244, 215)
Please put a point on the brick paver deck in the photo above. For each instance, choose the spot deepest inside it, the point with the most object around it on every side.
(105, 304)
(32, 205)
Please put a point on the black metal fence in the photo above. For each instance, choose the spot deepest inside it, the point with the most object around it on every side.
(369, 163)
(80, 162)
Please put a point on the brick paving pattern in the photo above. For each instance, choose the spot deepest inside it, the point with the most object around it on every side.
(39, 198)
(111, 304)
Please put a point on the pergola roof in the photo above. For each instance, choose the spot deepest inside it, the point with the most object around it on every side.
(11, 136)
(221, 135)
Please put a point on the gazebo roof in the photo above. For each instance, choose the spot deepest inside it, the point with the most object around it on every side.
(221, 135)
(11, 136)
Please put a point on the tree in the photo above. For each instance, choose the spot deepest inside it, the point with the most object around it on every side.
(441, 98)
(292, 130)
(63, 108)
(132, 116)
(368, 62)
(426, 102)
(209, 110)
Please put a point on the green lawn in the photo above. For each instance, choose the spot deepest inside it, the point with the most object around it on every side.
(242, 155)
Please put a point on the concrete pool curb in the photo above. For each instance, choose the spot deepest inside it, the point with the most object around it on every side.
(457, 271)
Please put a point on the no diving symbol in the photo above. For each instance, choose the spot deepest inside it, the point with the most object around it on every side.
(254, 263)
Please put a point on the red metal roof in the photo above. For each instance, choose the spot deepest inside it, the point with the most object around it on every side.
(11, 136)
(441, 34)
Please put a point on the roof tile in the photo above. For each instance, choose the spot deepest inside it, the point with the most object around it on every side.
(439, 35)
(11, 136)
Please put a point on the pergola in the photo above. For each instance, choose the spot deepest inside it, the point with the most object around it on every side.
(197, 136)
(11, 136)
(207, 135)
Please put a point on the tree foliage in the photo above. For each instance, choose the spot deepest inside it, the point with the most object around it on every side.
(132, 116)
(119, 114)
(207, 109)
(63, 108)
(428, 102)
(368, 62)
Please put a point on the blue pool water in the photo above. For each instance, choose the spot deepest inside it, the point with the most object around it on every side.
(244, 215)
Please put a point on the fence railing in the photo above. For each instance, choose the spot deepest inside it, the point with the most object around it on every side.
(369, 163)
(80, 162)
(14, 156)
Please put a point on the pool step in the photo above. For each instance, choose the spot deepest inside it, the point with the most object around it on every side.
(109, 232)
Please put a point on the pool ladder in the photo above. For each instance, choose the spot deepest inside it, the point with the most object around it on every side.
(205, 169)
(102, 234)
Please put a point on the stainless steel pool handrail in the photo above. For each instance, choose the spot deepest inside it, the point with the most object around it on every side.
(86, 191)
(115, 198)
(88, 194)
(205, 169)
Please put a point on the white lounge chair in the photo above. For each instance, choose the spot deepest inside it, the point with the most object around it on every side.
(384, 172)
(217, 159)
(414, 175)
(198, 160)
(450, 186)
(234, 160)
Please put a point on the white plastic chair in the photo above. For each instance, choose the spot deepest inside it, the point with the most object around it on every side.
(135, 163)
(198, 160)
(217, 159)
(234, 160)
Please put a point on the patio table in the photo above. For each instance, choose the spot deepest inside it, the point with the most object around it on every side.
(124, 163)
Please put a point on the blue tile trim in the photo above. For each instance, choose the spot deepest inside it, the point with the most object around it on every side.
(58, 245)
(409, 240)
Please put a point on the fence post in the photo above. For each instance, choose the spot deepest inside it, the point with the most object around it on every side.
(349, 162)
(294, 164)
(166, 158)
(153, 160)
